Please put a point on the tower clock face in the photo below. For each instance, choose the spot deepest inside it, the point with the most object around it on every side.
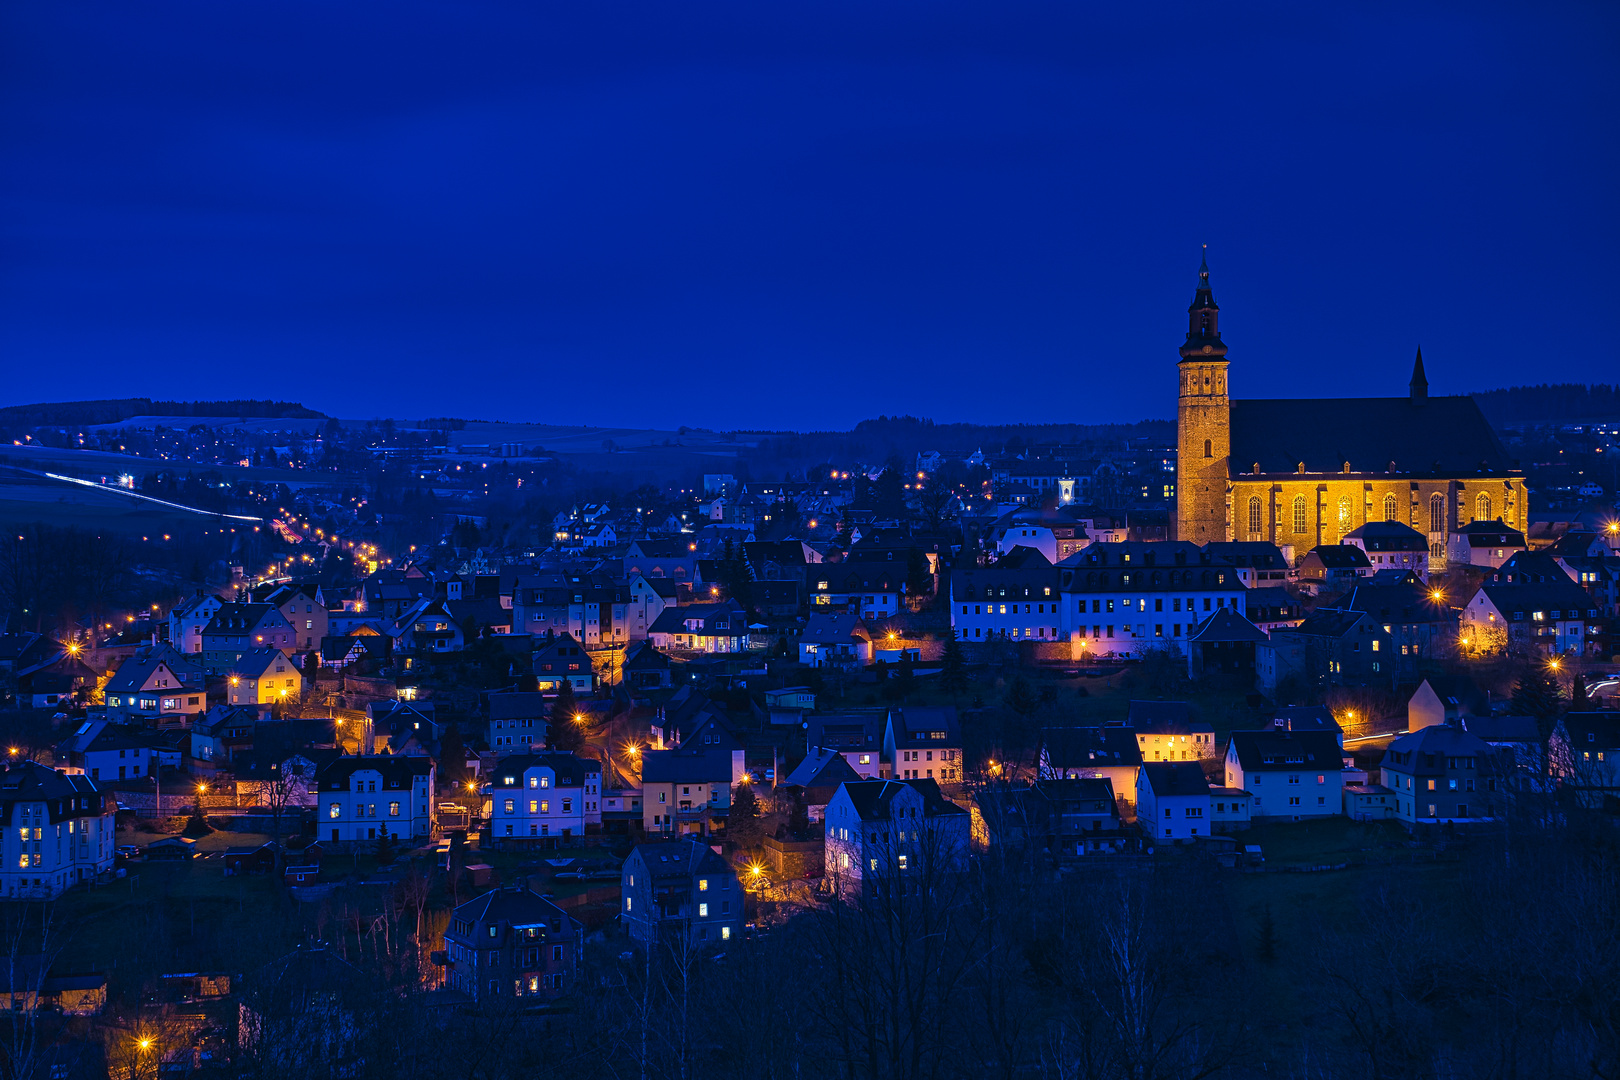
(1209, 348)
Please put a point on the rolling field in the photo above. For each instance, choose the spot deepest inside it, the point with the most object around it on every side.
(25, 498)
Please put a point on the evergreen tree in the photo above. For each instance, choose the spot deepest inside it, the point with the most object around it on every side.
(566, 734)
(799, 815)
(953, 674)
(387, 850)
(197, 823)
(742, 826)
(452, 756)
(919, 577)
(1021, 697)
(1537, 695)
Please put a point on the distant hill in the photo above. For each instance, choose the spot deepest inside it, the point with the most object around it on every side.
(1550, 403)
(111, 411)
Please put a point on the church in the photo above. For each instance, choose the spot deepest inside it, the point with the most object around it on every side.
(1301, 472)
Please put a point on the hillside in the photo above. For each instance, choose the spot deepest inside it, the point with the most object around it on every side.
(114, 410)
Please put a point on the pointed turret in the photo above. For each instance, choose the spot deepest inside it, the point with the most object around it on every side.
(1203, 320)
(1420, 382)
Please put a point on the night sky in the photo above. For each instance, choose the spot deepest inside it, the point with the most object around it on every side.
(769, 215)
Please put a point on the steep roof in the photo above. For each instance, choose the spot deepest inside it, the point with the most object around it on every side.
(1389, 536)
(1175, 778)
(1224, 625)
(821, 768)
(1340, 557)
(834, 628)
(874, 799)
(1436, 436)
(569, 769)
(1442, 740)
(1273, 749)
(1091, 747)
(686, 766)
(396, 769)
(515, 906)
(1407, 603)
(680, 859)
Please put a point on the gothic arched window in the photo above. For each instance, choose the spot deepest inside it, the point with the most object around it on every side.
(1209, 448)
(1254, 513)
(1437, 513)
(1300, 521)
(1482, 507)
(1344, 512)
(1389, 508)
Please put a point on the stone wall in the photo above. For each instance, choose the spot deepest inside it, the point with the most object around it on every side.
(793, 858)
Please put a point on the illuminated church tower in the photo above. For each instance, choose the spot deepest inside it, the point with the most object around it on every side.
(1203, 423)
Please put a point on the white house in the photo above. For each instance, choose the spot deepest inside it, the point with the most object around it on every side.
(542, 796)
(1290, 774)
(880, 833)
(1121, 599)
(362, 796)
(58, 830)
(1172, 801)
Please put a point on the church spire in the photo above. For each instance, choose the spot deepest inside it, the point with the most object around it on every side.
(1420, 382)
(1203, 319)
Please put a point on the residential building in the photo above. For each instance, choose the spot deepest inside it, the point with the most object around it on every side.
(1585, 756)
(1273, 608)
(1109, 753)
(711, 628)
(1016, 597)
(1231, 809)
(1419, 621)
(542, 797)
(1291, 774)
(818, 778)
(892, 836)
(58, 830)
(1333, 568)
(1122, 599)
(1260, 564)
(238, 627)
(304, 606)
(1173, 801)
(856, 737)
(1443, 773)
(1330, 648)
(263, 676)
(685, 791)
(360, 796)
(156, 682)
(649, 596)
(1369, 802)
(680, 889)
(188, 618)
(924, 744)
(1166, 731)
(223, 732)
(870, 590)
(517, 721)
(560, 658)
(1392, 545)
(835, 637)
(1484, 542)
(1547, 618)
(106, 751)
(510, 946)
(1225, 644)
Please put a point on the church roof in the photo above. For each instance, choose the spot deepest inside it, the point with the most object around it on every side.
(1435, 436)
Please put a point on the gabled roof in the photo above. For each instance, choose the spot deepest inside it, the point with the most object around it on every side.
(821, 768)
(1504, 729)
(1304, 718)
(1329, 622)
(1389, 536)
(916, 726)
(1406, 603)
(1565, 596)
(1090, 747)
(1175, 778)
(570, 770)
(679, 859)
(698, 766)
(1340, 557)
(1161, 718)
(514, 906)
(235, 618)
(1442, 740)
(1281, 750)
(1491, 534)
(725, 619)
(834, 628)
(1438, 436)
(846, 731)
(1226, 625)
(398, 769)
(1592, 730)
(874, 800)
(517, 705)
(257, 663)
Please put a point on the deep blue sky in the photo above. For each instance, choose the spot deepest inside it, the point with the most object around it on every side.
(798, 215)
